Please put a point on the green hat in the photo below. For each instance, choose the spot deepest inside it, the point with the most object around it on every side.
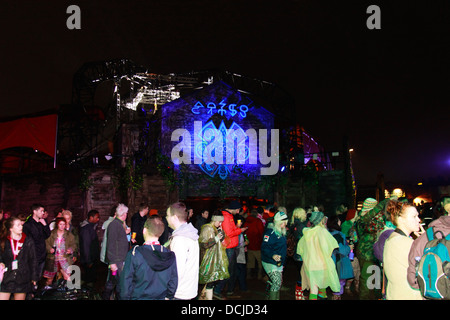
(316, 217)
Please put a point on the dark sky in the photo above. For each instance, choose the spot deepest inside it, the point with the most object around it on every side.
(387, 89)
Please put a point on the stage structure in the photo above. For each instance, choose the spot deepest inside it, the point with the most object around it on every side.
(108, 94)
(117, 139)
(122, 111)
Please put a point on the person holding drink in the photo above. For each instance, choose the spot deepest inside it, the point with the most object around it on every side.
(213, 257)
(137, 225)
(231, 241)
(60, 249)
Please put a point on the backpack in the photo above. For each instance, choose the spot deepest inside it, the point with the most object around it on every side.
(433, 270)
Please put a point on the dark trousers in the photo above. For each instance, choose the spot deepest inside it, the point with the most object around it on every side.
(232, 269)
(242, 276)
(89, 274)
(299, 265)
(112, 282)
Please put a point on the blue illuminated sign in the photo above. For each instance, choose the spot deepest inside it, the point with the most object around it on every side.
(221, 108)
(216, 140)
(217, 130)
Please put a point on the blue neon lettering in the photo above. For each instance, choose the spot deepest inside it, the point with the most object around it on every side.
(222, 105)
(232, 110)
(244, 110)
(211, 106)
(197, 106)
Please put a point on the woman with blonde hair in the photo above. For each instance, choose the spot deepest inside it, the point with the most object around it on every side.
(67, 215)
(298, 214)
(298, 223)
(273, 253)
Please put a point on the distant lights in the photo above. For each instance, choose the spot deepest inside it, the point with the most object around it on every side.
(397, 192)
(418, 200)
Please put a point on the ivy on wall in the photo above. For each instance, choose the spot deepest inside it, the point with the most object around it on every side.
(239, 180)
(85, 183)
(129, 178)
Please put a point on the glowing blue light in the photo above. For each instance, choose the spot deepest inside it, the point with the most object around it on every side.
(212, 109)
(241, 153)
(283, 168)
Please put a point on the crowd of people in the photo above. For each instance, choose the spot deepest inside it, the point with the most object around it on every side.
(372, 253)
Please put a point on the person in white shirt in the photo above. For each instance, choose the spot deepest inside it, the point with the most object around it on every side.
(184, 242)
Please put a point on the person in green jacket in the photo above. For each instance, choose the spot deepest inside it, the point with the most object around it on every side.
(369, 223)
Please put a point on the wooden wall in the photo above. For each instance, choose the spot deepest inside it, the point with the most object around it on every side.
(61, 189)
(52, 189)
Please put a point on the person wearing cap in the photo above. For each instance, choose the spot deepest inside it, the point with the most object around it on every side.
(231, 241)
(369, 223)
(316, 248)
(273, 253)
(213, 257)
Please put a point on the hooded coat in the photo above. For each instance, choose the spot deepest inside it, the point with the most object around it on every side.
(149, 273)
(442, 224)
(231, 231)
(184, 242)
(315, 248)
(214, 260)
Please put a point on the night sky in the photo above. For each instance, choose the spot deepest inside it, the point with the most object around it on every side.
(387, 90)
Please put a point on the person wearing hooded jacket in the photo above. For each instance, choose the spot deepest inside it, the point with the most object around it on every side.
(184, 242)
(150, 270)
(316, 248)
(442, 224)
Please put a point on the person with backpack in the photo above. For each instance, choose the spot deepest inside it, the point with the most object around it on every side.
(396, 249)
(439, 228)
(340, 255)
